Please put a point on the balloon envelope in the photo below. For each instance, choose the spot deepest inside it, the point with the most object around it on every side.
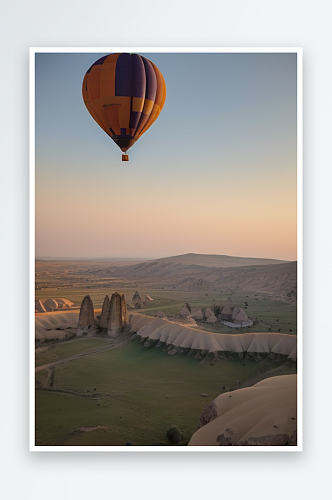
(124, 93)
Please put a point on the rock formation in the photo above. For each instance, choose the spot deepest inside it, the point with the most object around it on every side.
(86, 317)
(190, 321)
(186, 310)
(209, 414)
(39, 308)
(207, 312)
(211, 318)
(235, 312)
(103, 322)
(160, 314)
(248, 345)
(137, 300)
(239, 315)
(51, 305)
(124, 312)
(197, 314)
(261, 415)
(227, 311)
(64, 303)
(56, 325)
(117, 319)
(115, 315)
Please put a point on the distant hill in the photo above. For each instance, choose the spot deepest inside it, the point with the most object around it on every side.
(217, 260)
(276, 280)
(183, 272)
(161, 270)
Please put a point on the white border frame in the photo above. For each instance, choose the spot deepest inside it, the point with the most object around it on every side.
(299, 52)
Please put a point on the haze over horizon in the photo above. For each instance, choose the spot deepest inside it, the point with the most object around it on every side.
(132, 258)
(215, 174)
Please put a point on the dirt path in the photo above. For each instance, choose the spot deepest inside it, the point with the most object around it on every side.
(122, 339)
(50, 377)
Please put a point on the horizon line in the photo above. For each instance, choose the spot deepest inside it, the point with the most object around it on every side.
(154, 258)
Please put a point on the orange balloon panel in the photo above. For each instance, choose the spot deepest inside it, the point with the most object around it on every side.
(124, 93)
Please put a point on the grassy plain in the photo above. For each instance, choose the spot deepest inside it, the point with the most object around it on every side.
(134, 394)
(60, 351)
(41, 378)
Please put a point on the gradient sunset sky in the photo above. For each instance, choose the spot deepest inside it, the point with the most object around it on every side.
(215, 174)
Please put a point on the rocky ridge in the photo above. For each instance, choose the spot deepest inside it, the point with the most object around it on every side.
(179, 338)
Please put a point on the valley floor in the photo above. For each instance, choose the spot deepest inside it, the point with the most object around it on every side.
(129, 393)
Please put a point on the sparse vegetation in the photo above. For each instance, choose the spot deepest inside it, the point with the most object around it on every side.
(66, 349)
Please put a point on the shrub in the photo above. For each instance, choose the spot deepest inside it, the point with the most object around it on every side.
(174, 434)
(216, 309)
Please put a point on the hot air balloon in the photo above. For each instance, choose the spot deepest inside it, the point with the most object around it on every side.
(124, 94)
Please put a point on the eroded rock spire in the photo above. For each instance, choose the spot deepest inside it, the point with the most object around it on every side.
(105, 313)
(117, 319)
(137, 300)
(86, 316)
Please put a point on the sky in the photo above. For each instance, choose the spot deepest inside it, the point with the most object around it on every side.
(215, 174)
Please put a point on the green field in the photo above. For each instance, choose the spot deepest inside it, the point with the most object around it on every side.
(133, 393)
(41, 378)
(277, 315)
(63, 350)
